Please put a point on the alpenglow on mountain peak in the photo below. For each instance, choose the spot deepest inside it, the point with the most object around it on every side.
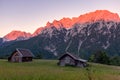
(100, 15)
(88, 17)
(15, 34)
(69, 22)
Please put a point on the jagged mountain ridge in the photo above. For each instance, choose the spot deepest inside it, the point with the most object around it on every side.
(17, 35)
(38, 31)
(66, 23)
(81, 39)
(88, 17)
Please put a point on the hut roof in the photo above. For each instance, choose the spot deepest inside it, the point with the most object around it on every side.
(72, 56)
(25, 52)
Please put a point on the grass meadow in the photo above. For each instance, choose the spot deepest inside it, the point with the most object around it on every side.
(49, 70)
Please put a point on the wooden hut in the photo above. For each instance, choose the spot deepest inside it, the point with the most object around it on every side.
(21, 55)
(69, 59)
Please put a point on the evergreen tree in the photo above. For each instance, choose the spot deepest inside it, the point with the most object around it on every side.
(100, 57)
(115, 60)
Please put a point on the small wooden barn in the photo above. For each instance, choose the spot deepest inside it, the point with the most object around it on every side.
(69, 59)
(21, 55)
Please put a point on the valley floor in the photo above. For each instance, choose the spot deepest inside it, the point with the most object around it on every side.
(49, 70)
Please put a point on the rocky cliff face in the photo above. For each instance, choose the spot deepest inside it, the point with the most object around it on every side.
(88, 17)
(17, 35)
(81, 39)
(66, 23)
(99, 30)
(38, 31)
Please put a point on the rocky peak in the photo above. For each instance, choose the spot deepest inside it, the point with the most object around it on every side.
(68, 23)
(15, 35)
(88, 17)
(98, 15)
(38, 31)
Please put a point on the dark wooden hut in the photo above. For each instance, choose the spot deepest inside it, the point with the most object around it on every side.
(69, 59)
(21, 55)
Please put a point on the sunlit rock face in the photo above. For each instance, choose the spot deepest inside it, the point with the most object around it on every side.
(17, 35)
(66, 23)
(38, 31)
(98, 15)
(83, 35)
(88, 17)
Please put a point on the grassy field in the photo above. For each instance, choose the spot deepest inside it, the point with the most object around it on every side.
(48, 70)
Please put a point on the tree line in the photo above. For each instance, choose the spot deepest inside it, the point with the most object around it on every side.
(103, 58)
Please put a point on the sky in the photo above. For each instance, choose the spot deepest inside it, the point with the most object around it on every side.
(28, 15)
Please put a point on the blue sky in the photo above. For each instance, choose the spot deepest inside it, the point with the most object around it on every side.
(28, 15)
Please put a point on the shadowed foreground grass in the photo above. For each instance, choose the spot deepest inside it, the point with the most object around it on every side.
(48, 70)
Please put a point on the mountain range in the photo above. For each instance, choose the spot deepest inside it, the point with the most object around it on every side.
(66, 23)
(83, 35)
